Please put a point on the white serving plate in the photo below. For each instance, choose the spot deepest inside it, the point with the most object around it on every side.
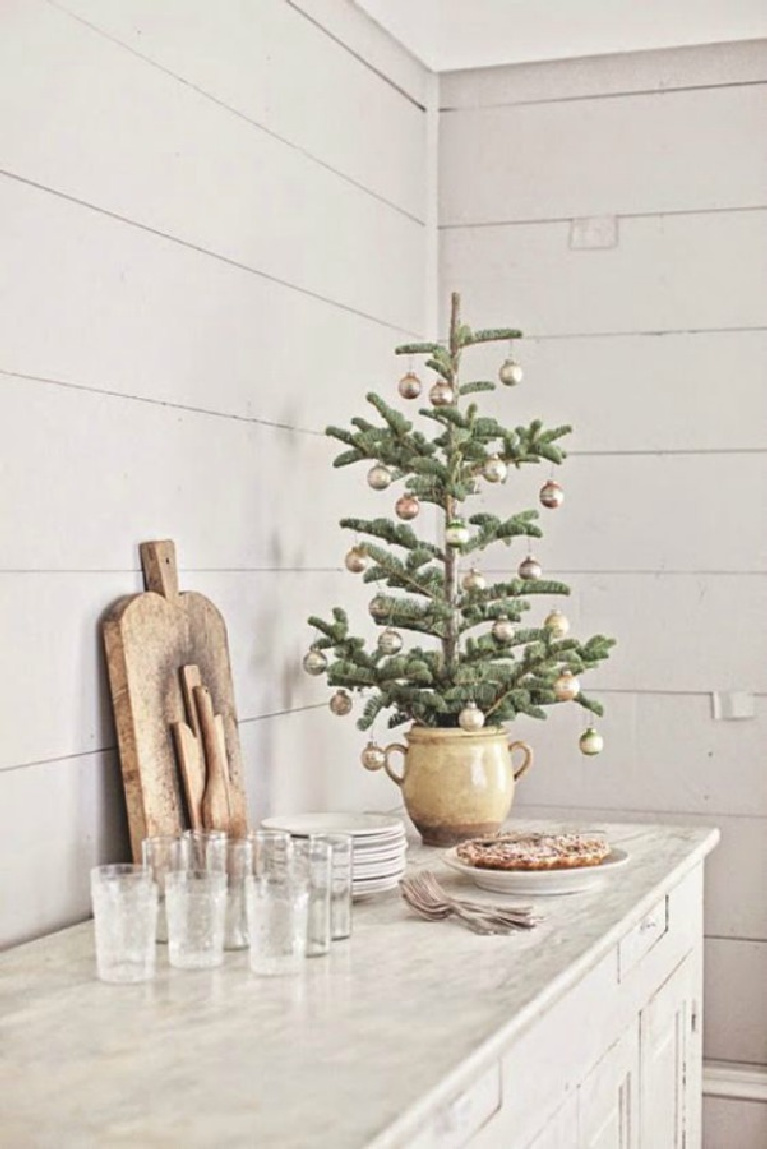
(539, 883)
(383, 827)
(377, 886)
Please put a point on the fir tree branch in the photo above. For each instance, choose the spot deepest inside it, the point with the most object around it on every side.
(473, 388)
(492, 335)
(398, 534)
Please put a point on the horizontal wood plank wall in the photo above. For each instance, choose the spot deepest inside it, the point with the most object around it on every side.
(212, 220)
(655, 350)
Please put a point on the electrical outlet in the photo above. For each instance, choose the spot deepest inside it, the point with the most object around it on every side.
(594, 232)
(732, 705)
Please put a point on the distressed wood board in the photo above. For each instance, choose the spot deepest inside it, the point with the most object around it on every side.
(149, 638)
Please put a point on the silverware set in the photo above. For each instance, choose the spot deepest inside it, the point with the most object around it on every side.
(425, 895)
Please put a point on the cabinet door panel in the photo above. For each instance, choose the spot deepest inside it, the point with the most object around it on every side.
(670, 1062)
(607, 1099)
(562, 1131)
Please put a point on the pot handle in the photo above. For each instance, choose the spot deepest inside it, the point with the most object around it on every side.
(396, 748)
(528, 761)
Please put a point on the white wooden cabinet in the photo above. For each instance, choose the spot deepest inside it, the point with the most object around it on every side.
(614, 1064)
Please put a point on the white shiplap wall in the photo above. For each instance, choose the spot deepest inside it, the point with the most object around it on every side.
(213, 233)
(655, 350)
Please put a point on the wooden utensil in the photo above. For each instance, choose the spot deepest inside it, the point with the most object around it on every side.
(215, 802)
(148, 638)
(189, 747)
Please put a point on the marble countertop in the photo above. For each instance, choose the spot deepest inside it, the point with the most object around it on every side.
(345, 1056)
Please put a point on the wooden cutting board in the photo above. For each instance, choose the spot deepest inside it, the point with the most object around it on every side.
(149, 639)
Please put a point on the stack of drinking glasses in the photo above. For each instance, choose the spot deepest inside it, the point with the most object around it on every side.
(203, 893)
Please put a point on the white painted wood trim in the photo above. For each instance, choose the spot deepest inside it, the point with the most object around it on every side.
(734, 1080)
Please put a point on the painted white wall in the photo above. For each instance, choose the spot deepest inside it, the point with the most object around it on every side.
(451, 34)
(213, 230)
(655, 351)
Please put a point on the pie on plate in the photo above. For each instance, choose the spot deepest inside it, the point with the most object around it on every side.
(534, 851)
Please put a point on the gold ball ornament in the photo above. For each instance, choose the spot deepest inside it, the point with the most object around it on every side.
(551, 495)
(410, 385)
(355, 560)
(407, 507)
(495, 470)
(503, 629)
(530, 568)
(471, 718)
(341, 703)
(510, 373)
(456, 533)
(442, 395)
(390, 641)
(373, 757)
(378, 608)
(315, 662)
(567, 687)
(473, 581)
(591, 742)
(557, 624)
(379, 477)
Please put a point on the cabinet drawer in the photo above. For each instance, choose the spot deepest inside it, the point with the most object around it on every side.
(455, 1123)
(638, 942)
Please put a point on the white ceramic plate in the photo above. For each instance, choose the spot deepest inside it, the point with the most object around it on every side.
(539, 883)
(379, 886)
(383, 827)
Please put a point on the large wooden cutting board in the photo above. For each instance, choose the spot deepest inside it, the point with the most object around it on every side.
(149, 638)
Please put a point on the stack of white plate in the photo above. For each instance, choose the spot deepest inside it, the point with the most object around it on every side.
(379, 844)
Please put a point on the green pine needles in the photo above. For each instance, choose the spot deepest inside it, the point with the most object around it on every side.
(469, 642)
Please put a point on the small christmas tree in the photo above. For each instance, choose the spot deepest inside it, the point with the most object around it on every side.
(473, 662)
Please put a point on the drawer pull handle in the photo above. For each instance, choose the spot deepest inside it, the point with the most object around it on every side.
(648, 924)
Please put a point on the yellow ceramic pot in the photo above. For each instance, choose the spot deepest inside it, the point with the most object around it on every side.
(457, 785)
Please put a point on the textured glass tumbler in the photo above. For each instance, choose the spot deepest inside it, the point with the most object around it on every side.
(312, 862)
(341, 863)
(276, 905)
(162, 855)
(196, 904)
(125, 912)
(239, 866)
(206, 850)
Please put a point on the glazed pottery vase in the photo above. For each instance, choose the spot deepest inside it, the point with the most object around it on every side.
(457, 784)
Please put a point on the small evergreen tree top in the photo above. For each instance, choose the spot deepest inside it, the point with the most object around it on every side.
(470, 646)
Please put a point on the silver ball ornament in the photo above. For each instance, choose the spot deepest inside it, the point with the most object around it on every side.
(510, 373)
(379, 477)
(373, 757)
(567, 687)
(341, 703)
(407, 507)
(473, 581)
(551, 495)
(442, 395)
(315, 662)
(471, 718)
(355, 560)
(503, 629)
(456, 533)
(530, 568)
(495, 470)
(390, 641)
(591, 742)
(378, 608)
(409, 385)
(557, 624)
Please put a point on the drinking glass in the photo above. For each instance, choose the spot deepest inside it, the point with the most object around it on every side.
(207, 850)
(276, 906)
(125, 912)
(312, 859)
(196, 905)
(162, 854)
(341, 862)
(239, 866)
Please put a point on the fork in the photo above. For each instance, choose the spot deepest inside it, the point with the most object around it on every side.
(424, 894)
